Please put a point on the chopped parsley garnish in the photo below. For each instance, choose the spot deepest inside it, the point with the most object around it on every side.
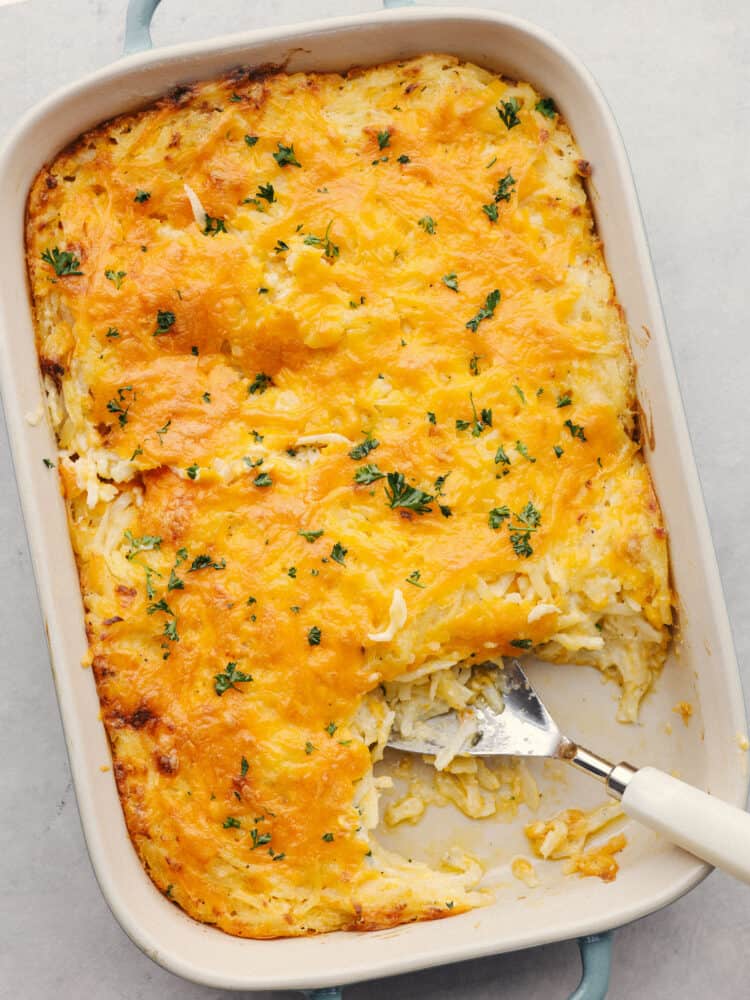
(206, 397)
(508, 112)
(309, 748)
(501, 457)
(428, 224)
(284, 156)
(281, 247)
(64, 262)
(310, 536)
(490, 211)
(338, 553)
(546, 107)
(292, 572)
(259, 839)
(330, 250)
(450, 281)
(113, 332)
(384, 139)
(367, 474)
(477, 425)
(331, 728)
(530, 519)
(431, 417)
(519, 392)
(192, 471)
(576, 430)
(313, 636)
(164, 321)
(161, 431)
(259, 384)
(505, 187)
(521, 643)
(400, 494)
(414, 578)
(175, 583)
(557, 450)
(364, 448)
(243, 767)
(328, 837)
(563, 399)
(231, 823)
(266, 192)
(170, 631)
(523, 450)
(251, 139)
(235, 98)
(116, 277)
(214, 225)
(403, 158)
(229, 678)
(497, 516)
(262, 480)
(205, 562)
(115, 405)
(137, 451)
(143, 544)
(487, 310)
(48, 463)
(141, 196)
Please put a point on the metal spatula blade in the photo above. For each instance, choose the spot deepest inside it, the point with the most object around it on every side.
(523, 729)
(698, 822)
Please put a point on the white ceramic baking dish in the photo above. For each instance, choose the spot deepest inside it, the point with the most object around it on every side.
(704, 671)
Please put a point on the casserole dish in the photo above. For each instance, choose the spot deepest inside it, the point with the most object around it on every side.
(717, 763)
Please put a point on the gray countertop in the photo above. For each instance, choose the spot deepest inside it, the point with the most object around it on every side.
(677, 75)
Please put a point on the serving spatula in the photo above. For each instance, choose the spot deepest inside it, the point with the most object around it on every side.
(694, 820)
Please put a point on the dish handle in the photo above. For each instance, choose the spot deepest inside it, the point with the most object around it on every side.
(596, 961)
(141, 12)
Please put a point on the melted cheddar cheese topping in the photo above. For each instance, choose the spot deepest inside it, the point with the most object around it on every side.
(342, 393)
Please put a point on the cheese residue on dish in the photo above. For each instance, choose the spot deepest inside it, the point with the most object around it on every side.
(344, 405)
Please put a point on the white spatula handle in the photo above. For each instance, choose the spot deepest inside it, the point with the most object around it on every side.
(698, 822)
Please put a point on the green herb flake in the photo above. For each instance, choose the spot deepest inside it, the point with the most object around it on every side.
(64, 262)
(313, 636)
(231, 823)
(165, 320)
(230, 677)
(563, 399)
(309, 748)
(174, 582)
(384, 139)
(505, 187)
(113, 333)
(519, 392)
(490, 211)
(450, 281)
(310, 536)
(523, 450)
(364, 448)
(400, 494)
(266, 192)
(338, 553)
(170, 631)
(403, 158)
(259, 839)
(546, 107)
(414, 579)
(367, 474)
(501, 456)
(431, 417)
(259, 385)
(328, 837)
(498, 516)
(206, 562)
(292, 572)
(214, 225)
(487, 311)
(521, 643)
(116, 277)
(428, 224)
(285, 157)
(557, 450)
(48, 463)
(576, 430)
(192, 471)
(141, 196)
(262, 480)
(251, 140)
(146, 543)
(508, 112)
(330, 250)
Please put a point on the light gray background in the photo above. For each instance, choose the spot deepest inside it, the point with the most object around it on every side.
(677, 76)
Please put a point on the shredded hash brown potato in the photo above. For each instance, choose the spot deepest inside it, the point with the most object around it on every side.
(344, 407)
